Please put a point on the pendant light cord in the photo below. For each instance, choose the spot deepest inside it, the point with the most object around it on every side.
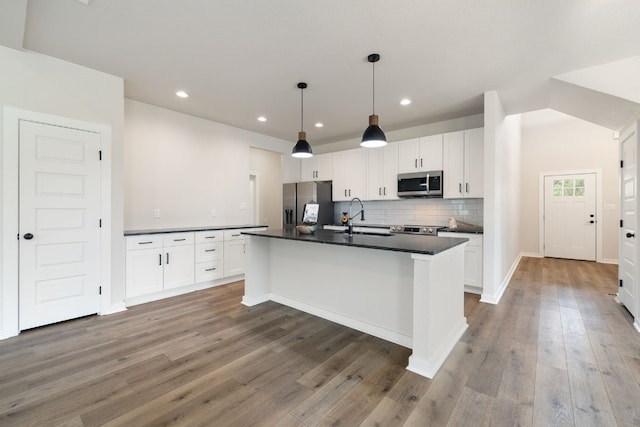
(373, 83)
(301, 110)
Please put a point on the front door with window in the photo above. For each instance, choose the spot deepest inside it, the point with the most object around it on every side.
(570, 216)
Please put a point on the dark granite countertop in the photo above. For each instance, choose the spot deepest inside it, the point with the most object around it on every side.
(428, 245)
(185, 229)
(475, 229)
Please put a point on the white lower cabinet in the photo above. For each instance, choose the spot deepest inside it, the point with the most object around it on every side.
(158, 262)
(209, 255)
(472, 260)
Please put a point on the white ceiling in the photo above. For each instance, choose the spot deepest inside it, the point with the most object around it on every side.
(240, 59)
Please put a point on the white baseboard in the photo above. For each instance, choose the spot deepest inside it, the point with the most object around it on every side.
(250, 302)
(495, 298)
(636, 325)
(531, 254)
(376, 331)
(429, 368)
(114, 308)
(180, 291)
(473, 289)
(608, 261)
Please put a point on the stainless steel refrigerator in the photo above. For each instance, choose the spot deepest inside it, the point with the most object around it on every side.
(296, 195)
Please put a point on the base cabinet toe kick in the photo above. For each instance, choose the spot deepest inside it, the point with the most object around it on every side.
(412, 299)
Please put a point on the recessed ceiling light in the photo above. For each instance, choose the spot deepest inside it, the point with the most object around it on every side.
(262, 119)
(405, 101)
(319, 125)
(182, 94)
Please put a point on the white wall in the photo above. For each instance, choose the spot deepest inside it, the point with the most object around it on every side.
(185, 166)
(501, 197)
(43, 84)
(555, 142)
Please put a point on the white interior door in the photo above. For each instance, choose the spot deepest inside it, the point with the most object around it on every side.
(570, 216)
(59, 255)
(627, 269)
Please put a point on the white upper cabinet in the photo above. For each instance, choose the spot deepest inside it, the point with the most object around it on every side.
(420, 154)
(349, 174)
(317, 168)
(464, 164)
(290, 169)
(382, 172)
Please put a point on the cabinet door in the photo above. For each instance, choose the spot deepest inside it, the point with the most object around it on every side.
(349, 174)
(431, 153)
(308, 168)
(473, 265)
(382, 172)
(408, 155)
(234, 257)
(143, 272)
(474, 163)
(453, 165)
(179, 266)
(290, 169)
(324, 167)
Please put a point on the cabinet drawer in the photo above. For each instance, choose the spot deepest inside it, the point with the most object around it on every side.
(144, 241)
(208, 271)
(177, 239)
(209, 236)
(233, 235)
(209, 251)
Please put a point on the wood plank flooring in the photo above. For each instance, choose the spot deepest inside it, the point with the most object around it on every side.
(556, 351)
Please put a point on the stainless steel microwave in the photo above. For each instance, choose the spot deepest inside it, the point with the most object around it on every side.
(420, 184)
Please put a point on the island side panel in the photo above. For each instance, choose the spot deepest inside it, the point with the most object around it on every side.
(438, 308)
(366, 289)
(257, 271)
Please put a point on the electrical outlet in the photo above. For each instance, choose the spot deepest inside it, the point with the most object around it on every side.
(156, 213)
(214, 213)
(243, 206)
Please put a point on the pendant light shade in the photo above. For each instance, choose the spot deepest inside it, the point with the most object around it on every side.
(302, 149)
(373, 136)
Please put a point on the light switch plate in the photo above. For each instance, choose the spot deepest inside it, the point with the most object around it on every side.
(156, 213)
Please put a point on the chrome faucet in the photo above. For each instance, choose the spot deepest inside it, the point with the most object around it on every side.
(350, 224)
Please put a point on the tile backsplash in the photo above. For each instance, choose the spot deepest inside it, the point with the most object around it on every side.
(415, 211)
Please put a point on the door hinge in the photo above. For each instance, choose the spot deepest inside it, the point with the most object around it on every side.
(100, 155)
(620, 282)
(621, 164)
(621, 222)
(99, 290)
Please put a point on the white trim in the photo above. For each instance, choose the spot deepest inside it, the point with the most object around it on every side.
(376, 331)
(608, 261)
(636, 325)
(477, 290)
(495, 298)
(599, 206)
(531, 255)
(10, 212)
(429, 368)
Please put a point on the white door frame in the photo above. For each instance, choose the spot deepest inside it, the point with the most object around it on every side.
(9, 290)
(599, 208)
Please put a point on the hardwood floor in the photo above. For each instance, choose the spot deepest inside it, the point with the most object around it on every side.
(556, 351)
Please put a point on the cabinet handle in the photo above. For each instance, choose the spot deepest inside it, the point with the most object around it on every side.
(159, 259)
(384, 191)
(209, 269)
(209, 250)
(466, 186)
(235, 235)
(420, 162)
(209, 237)
(244, 248)
(167, 258)
(415, 163)
(179, 240)
(349, 192)
(345, 193)
(144, 243)
(379, 191)
(460, 187)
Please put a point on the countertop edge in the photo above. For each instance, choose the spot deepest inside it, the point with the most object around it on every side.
(188, 229)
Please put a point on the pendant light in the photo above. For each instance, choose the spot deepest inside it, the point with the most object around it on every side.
(302, 149)
(373, 136)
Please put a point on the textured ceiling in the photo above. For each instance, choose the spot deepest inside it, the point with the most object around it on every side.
(240, 59)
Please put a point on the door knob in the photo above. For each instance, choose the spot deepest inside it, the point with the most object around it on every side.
(28, 236)
(629, 235)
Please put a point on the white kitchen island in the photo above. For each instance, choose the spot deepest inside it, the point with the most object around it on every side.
(402, 288)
